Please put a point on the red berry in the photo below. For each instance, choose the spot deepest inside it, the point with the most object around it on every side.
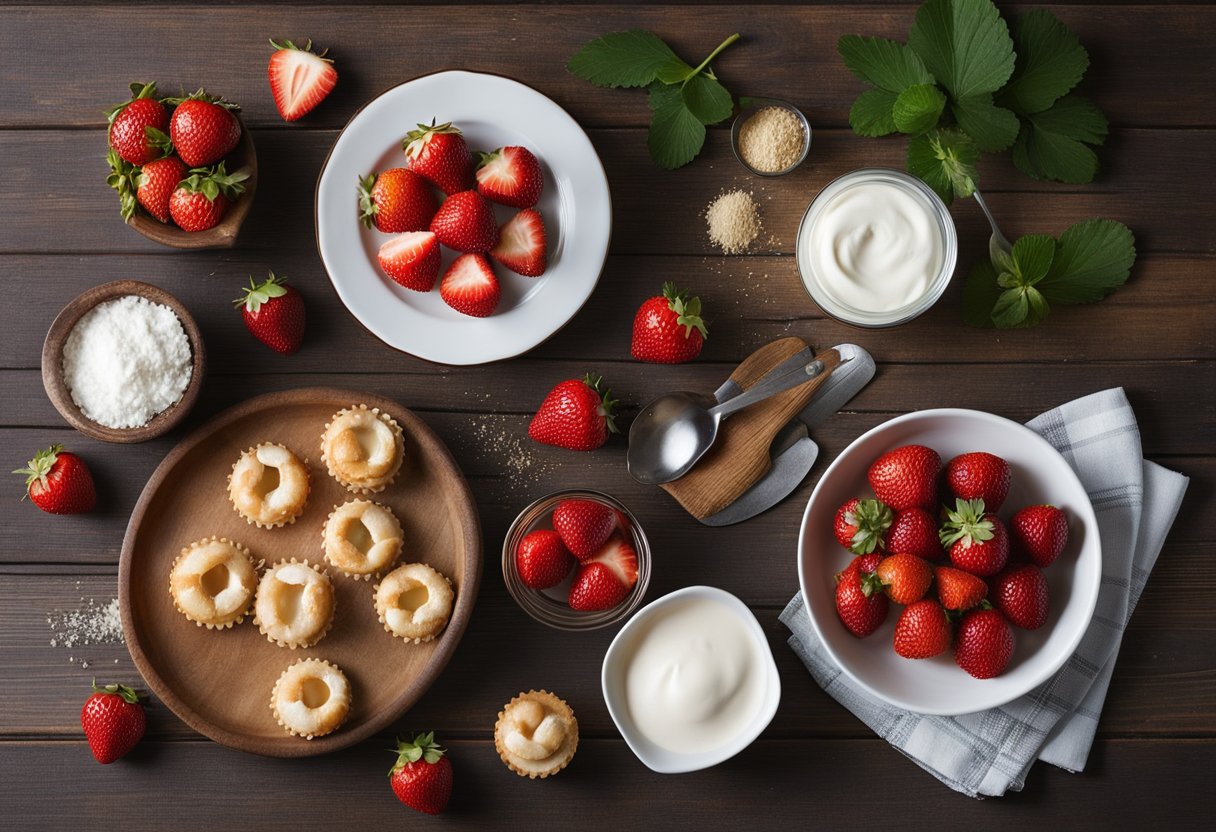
(465, 222)
(906, 477)
(1021, 594)
(958, 590)
(860, 602)
(59, 482)
(522, 246)
(113, 721)
(470, 286)
(203, 129)
(923, 630)
(542, 560)
(412, 259)
(584, 526)
(274, 313)
(668, 328)
(510, 176)
(905, 577)
(422, 776)
(983, 643)
(439, 153)
(914, 531)
(396, 200)
(575, 415)
(157, 180)
(299, 79)
(606, 579)
(861, 525)
(979, 476)
(138, 127)
(977, 541)
(1041, 532)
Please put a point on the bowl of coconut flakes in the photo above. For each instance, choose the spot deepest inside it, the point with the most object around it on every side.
(123, 362)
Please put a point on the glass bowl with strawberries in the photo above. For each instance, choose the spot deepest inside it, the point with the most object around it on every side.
(576, 560)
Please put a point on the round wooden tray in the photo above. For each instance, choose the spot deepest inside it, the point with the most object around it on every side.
(219, 681)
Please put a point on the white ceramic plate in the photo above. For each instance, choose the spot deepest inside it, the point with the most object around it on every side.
(612, 679)
(938, 685)
(492, 112)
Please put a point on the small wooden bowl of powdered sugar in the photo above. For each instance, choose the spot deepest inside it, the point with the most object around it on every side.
(123, 362)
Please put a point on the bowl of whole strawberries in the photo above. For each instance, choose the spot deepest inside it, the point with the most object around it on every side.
(949, 561)
(184, 168)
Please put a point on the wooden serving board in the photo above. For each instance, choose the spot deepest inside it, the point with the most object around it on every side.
(219, 681)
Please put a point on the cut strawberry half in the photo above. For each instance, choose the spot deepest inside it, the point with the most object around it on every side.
(619, 555)
(469, 286)
(510, 176)
(299, 79)
(522, 247)
(412, 259)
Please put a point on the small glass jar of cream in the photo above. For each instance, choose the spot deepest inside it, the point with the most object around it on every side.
(876, 247)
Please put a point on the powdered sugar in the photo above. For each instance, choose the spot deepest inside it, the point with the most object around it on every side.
(126, 360)
(92, 624)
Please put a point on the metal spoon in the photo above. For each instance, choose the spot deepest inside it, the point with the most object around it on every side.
(675, 430)
(998, 240)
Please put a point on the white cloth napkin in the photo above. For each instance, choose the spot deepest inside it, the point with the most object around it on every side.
(987, 753)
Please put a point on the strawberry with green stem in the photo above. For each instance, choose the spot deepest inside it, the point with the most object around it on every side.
(137, 131)
(113, 720)
(422, 776)
(576, 414)
(976, 540)
(274, 313)
(439, 153)
(668, 328)
(200, 200)
(861, 525)
(59, 482)
(203, 128)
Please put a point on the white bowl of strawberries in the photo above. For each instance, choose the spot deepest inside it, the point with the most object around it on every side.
(949, 561)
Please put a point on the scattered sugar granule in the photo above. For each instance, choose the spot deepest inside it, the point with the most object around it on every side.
(93, 623)
(734, 221)
(771, 139)
(126, 360)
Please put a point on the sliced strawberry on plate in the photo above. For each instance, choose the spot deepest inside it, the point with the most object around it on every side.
(470, 287)
(412, 259)
(299, 79)
(465, 222)
(439, 152)
(510, 176)
(522, 246)
(396, 200)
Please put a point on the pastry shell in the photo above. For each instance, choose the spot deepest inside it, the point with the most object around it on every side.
(556, 714)
(365, 483)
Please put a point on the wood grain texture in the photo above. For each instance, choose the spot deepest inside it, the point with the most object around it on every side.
(60, 234)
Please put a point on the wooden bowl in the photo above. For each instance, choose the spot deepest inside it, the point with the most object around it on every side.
(52, 363)
(219, 681)
(224, 234)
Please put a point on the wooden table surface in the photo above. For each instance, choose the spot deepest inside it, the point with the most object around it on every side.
(60, 234)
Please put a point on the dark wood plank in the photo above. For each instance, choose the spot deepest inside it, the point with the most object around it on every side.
(1148, 61)
(654, 212)
(779, 779)
(748, 301)
(44, 685)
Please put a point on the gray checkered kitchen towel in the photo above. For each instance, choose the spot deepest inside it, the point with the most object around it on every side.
(987, 753)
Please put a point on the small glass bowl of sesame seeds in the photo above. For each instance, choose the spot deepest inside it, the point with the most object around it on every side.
(770, 137)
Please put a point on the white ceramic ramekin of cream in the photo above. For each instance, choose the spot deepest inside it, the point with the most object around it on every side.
(876, 248)
(694, 680)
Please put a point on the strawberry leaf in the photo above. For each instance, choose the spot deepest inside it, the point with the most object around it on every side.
(884, 63)
(872, 114)
(707, 99)
(917, 108)
(627, 59)
(1050, 62)
(676, 134)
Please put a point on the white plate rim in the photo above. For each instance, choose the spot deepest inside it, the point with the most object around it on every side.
(533, 337)
(1089, 519)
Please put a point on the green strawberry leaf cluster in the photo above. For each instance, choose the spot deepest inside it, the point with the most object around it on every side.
(1016, 289)
(683, 99)
(968, 83)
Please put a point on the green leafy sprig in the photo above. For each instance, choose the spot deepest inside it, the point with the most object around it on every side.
(967, 83)
(1016, 289)
(683, 98)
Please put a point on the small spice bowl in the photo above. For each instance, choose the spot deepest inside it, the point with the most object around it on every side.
(223, 235)
(52, 363)
(549, 606)
(752, 105)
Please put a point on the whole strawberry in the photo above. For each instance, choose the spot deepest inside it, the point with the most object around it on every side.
(274, 313)
(576, 414)
(59, 482)
(113, 720)
(584, 526)
(422, 776)
(439, 153)
(983, 642)
(977, 541)
(979, 476)
(396, 200)
(860, 602)
(203, 128)
(906, 477)
(1021, 594)
(861, 525)
(958, 590)
(914, 531)
(155, 184)
(465, 222)
(299, 78)
(606, 578)
(201, 199)
(1041, 532)
(542, 560)
(668, 328)
(138, 126)
(906, 578)
(923, 630)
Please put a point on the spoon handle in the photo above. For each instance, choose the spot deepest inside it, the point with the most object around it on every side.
(771, 386)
